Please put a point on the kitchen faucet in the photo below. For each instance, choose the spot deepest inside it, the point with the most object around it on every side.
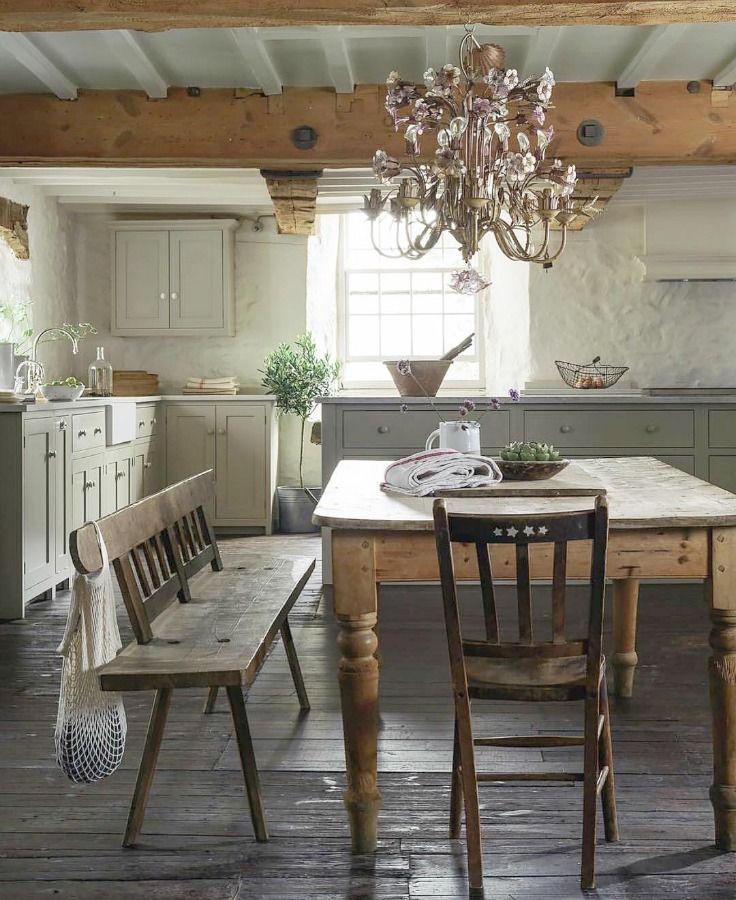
(35, 372)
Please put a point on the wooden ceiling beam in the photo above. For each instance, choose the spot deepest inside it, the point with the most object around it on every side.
(595, 190)
(663, 124)
(294, 196)
(127, 48)
(159, 15)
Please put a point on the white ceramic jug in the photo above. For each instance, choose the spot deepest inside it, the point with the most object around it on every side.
(461, 436)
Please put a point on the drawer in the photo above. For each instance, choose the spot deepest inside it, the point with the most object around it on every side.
(146, 420)
(88, 431)
(611, 428)
(722, 428)
(375, 429)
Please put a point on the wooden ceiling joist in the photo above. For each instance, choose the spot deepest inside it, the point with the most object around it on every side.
(663, 124)
(294, 196)
(159, 15)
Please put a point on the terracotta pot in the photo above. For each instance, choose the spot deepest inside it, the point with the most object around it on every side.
(425, 379)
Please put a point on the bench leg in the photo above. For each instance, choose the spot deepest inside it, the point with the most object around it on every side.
(247, 760)
(148, 765)
(209, 703)
(296, 671)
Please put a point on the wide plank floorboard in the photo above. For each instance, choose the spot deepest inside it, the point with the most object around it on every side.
(59, 840)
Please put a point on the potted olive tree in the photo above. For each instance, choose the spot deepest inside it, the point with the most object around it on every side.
(297, 375)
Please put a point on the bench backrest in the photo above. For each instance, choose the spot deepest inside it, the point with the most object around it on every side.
(155, 546)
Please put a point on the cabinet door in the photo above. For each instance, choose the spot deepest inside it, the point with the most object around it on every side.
(153, 469)
(39, 500)
(240, 491)
(196, 279)
(190, 440)
(141, 280)
(123, 478)
(87, 480)
(137, 470)
(63, 492)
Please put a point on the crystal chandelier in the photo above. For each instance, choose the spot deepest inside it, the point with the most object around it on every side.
(488, 172)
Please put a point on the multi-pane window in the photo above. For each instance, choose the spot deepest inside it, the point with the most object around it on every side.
(401, 309)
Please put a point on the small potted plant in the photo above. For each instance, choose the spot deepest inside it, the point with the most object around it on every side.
(297, 376)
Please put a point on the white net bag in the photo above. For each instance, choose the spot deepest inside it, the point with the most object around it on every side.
(90, 724)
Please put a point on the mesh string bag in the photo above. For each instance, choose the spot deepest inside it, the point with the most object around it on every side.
(90, 724)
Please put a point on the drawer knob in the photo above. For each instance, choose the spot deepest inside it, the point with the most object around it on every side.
(88, 485)
(210, 431)
(82, 433)
(62, 425)
(162, 296)
(141, 423)
(383, 429)
(52, 454)
(120, 475)
(566, 429)
(98, 431)
(651, 429)
(153, 421)
(221, 431)
(147, 465)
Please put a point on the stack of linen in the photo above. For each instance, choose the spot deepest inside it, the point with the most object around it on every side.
(421, 474)
(223, 385)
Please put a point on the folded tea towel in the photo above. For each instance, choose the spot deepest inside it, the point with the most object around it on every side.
(431, 470)
(215, 381)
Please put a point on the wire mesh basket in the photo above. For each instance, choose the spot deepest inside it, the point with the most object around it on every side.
(591, 375)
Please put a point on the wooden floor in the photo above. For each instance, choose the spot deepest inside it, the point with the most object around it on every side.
(61, 840)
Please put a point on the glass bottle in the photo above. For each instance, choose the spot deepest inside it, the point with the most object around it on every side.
(99, 381)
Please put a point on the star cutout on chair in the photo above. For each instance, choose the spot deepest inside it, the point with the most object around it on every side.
(512, 532)
(529, 530)
(498, 532)
(542, 529)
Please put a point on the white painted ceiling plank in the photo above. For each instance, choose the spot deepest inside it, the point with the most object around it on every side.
(727, 76)
(128, 49)
(542, 46)
(24, 51)
(658, 43)
(257, 57)
(338, 59)
(435, 47)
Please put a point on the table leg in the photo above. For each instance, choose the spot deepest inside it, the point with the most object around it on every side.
(624, 658)
(353, 573)
(722, 677)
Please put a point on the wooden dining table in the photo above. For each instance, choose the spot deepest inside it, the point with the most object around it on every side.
(664, 524)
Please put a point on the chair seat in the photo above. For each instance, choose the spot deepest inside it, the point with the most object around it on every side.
(560, 678)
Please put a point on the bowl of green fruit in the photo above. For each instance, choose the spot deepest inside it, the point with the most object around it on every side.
(530, 461)
(66, 389)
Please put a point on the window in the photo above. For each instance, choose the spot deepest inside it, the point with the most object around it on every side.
(401, 309)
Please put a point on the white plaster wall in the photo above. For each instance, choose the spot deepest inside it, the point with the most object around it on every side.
(47, 278)
(270, 306)
(594, 302)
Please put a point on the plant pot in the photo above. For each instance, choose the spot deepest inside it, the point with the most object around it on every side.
(296, 509)
(425, 377)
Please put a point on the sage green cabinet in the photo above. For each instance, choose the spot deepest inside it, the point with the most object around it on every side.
(63, 435)
(39, 500)
(190, 440)
(722, 470)
(117, 479)
(87, 489)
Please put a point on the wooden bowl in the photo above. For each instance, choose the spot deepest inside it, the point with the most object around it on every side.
(425, 378)
(518, 470)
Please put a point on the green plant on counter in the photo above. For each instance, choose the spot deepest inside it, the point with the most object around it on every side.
(15, 326)
(71, 381)
(529, 451)
(297, 376)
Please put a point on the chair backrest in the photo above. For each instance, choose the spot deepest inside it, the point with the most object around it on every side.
(155, 546)
(523, 532)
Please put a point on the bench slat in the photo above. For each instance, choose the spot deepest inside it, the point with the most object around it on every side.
(246, 603)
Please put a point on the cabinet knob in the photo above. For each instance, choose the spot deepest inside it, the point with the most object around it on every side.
(141, 423)
(51, 454)
(88, 485)
(98, 431)
(221, 431)
(383, 429)
(147, 465)
(120, 475)
(210, 431)
(651, 429)
(82, 433)
(62, 425)
(162, 295)
(566, 429)
(174, 295)
(153, 421)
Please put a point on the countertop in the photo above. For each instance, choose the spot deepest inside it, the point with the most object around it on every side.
(591, 398)
(58, 406)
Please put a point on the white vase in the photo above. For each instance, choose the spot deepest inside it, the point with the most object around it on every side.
(461, 436)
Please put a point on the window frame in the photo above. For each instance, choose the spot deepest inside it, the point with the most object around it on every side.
(344, 272)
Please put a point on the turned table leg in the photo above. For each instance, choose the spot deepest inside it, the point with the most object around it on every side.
(624, 658)
(722, 677)
(353, 573)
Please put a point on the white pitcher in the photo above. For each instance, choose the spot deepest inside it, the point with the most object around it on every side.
(461, 436)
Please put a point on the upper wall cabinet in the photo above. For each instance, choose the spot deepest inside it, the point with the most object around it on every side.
(173, 278)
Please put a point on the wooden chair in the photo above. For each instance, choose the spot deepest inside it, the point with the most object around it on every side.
(217, 635)
(528, 670)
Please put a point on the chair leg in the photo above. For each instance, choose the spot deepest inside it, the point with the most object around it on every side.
(470, 793)
(147, 767)
(209, 703)
(456, 789)
(605, 758)
(247, 761)
(590, 796)
(296, 671)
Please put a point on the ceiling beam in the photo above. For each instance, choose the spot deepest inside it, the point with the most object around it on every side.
(727, 75)
(338, 59)
(128, 49)
(159, 15)
(24, 51)
(663, 124)
(14, 227)
(294, 196)
(258, 60)
(655, 47)
(542, 47)
(593, 192)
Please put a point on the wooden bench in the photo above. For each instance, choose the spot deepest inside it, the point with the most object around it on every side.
(218, 633)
